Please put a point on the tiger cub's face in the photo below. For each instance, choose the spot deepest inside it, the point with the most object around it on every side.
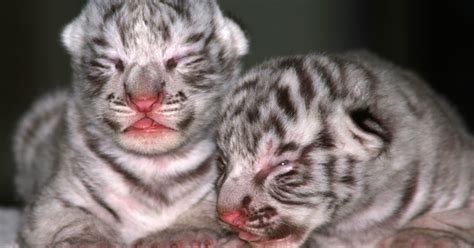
(296, 138)
(148, 73)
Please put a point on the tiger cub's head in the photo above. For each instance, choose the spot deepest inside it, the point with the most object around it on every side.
(148, 74)
(296, 139)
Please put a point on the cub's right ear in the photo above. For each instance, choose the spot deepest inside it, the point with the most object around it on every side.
(73, 37)
(231, 35)
(237, 37)
(362, 135)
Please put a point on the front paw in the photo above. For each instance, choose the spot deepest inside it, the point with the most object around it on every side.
(189, 239)
(424, 238)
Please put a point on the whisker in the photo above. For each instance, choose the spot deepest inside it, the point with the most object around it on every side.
(124, 114)
(123, 108)
(123, 111)
(168, 110)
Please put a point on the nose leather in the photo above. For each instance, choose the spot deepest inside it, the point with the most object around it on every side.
(144, 103)
(235, 218)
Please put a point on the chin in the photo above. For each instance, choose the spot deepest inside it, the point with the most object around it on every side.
(150, 143)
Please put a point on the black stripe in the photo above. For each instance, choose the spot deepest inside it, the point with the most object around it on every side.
(287, 147)
(128, 176)
(344, 88)
(257, 136)
(195, 61)
(209, 38)
(110, 161)
(372, 79)
(327, 78)
(30, 131)
(263, 213)
(94, 75)
(324, 139)
(330, 167)
(179, 7)
(289, 174)
(165, 31)
(186, 122)
(306, 84)
(114, 8)
(305, 156)
(194, 38)
(409, 191)
(197, 78)
(95, 63)
(199, 171)
(67, 204)
(253, 115)
(112, 124)
(287, 227)
(100, 41)
(284, 200)
(98, 199)
(247, 85)
(290, 62)
(239, 109)
(222, 58)
(274, 123)
(349, 178)
(259, 179)
(284, 102)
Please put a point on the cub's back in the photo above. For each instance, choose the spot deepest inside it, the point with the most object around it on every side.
(37, 141)
(347, 143)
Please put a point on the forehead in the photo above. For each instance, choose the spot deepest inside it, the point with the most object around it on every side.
(266, 110)
(152, 26)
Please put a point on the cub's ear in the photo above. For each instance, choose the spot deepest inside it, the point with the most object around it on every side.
(73, 37)
(231, 35)
(363, 136)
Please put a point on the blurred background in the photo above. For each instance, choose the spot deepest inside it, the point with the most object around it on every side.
(433, 38)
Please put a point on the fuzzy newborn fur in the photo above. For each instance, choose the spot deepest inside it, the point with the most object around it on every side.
(344, 151)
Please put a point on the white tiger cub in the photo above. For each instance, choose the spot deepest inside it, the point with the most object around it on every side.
(125, 156)
(343, 151)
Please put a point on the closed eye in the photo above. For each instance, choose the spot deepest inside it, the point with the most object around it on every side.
(106, 63)
(174, 61)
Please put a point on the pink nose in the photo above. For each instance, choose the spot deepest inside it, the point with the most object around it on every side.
(144, 103)
(235, 218)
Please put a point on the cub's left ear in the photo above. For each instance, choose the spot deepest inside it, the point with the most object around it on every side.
(232, 36)
(364, 136)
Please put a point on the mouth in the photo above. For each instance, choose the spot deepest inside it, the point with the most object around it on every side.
(147, 125)
(260, 240)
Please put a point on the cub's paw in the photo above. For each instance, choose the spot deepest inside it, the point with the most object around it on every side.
(180, 239)
(424, 238)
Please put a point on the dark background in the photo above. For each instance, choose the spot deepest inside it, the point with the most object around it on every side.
(430, 37)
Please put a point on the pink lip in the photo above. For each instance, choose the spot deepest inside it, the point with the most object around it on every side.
(146, 125)
(256, 239)
(273, 241)
(249, 237)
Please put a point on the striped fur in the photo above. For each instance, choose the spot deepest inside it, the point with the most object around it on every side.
(86, 177)
(341, 151)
